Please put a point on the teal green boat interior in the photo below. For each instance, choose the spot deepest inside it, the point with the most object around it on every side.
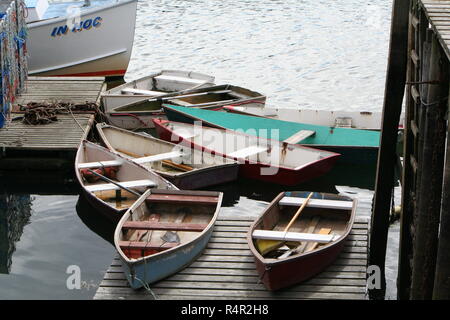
(323, 136)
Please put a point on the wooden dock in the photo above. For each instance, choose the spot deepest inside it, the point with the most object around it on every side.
(226, 270)
(60, 138)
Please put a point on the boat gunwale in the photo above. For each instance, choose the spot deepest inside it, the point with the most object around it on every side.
(325, 247)
(104, 203)
(43, 22)
(163, 253)
(309, 145)
(101, 126)
(116, 91)
(160, 123)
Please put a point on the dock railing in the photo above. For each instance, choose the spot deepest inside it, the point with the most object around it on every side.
(13, 54)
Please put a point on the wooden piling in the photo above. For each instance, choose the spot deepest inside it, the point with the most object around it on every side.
(394, 90)
(429, 187)
(441, 288)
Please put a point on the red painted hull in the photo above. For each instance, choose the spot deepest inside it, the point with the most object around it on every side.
(277, 274)
(252, 170)
(284, 274)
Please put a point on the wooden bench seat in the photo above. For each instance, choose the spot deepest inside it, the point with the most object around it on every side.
(192, 81)
(100, 164)
(176, 198)
(317, 203)
(293, 236)
(147, 225)
(143, 92)
(299, 136)
(142, 245)
(246, 152)
(127, 184)
(158, 157)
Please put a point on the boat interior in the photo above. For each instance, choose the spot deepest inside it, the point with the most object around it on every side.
(138, 145)
(246, 146)
(202, 97)
(128, 174)
(164, 82)
(324, 214)
(166, 219)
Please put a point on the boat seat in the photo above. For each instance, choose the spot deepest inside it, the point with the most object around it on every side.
(299, 136)
(146, 245)
(143, 92)
(147, 225)
(317, 203)
(127, 184)
(178, 198)
(294, 236)
(158, 157)
(100, 164)
(165, 78)
(247, 152)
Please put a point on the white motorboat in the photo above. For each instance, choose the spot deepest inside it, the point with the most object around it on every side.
(80, 38)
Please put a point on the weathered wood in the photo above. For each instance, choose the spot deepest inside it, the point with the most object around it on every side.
(430, 186)
(441, 288)
(226, 272)
(409, 167)
(145, 225)
(392, 107)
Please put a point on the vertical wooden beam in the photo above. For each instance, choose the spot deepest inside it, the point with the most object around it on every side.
(441, 289)
(405, 243)
(392, 107)
(430, 169)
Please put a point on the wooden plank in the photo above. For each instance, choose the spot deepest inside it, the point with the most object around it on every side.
(127, 184)
(317, 203)
(145, 225)
(223, 270)
(100, 164)
(299, 136)
(293, 236)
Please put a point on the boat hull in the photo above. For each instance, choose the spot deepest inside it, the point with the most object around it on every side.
(154, 269)
(105, 210)
(202, 175)
(282, 275)
(205, 178)
(276, 273)
(255, 171)
(363, 151)
(55, 49)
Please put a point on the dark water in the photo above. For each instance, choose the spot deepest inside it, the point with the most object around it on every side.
(309, 54)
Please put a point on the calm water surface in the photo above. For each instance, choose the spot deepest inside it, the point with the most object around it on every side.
(301, 54)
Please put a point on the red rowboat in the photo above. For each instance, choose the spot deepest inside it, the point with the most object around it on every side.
(315, 238)
(262, 159)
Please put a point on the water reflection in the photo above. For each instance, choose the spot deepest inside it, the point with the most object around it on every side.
(15, 213)
(95, 221)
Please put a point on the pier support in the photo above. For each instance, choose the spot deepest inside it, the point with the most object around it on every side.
(441, 289)
(429, 186)
(393, 98)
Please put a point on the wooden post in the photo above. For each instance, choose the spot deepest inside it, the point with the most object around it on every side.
(442, 278)
(430, 185)
(392, 107)
(405, 246)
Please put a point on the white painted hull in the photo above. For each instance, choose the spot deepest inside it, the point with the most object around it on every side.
(102, 47)
(337, 118)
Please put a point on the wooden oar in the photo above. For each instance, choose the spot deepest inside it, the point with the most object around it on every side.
(114, 182)
(266, 246)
